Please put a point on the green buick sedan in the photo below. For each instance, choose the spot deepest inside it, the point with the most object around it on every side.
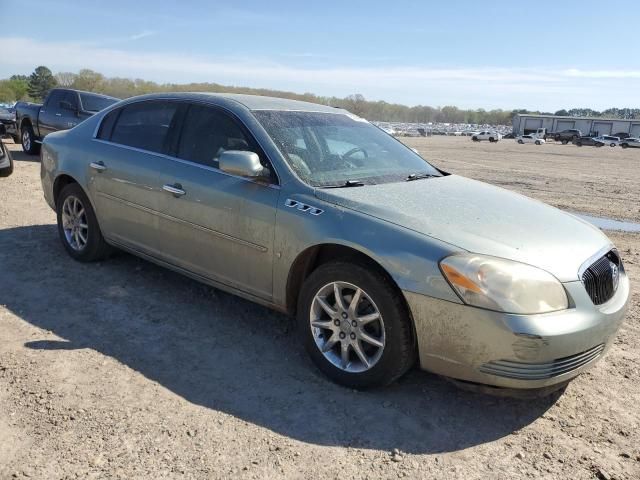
(385, 260)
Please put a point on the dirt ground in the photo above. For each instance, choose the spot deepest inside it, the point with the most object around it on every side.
(122, 369)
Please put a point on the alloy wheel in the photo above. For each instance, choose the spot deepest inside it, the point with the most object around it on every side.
(26, 140)
(74, 223)
(347, 327)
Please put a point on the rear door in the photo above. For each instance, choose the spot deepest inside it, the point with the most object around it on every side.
(219, 226)
(124, 175)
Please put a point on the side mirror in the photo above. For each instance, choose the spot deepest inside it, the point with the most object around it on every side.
(242, 163)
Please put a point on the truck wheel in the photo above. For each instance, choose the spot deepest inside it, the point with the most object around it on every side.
(557, 138)
(537, 142)
(28, 141)
(564, 142)
(355, 325)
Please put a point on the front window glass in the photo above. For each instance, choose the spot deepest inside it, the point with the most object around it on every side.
(327, 149)
(95, 103)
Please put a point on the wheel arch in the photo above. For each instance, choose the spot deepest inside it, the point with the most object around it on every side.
(312, 257)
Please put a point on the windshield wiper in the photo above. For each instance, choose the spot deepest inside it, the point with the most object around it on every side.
(347, 184)
(418, 176)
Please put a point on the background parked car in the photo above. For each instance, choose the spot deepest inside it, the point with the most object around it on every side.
(8, 120)
(6, 162)
(603, 140)
(630, 142)
(565, 136)
(62, 109)
(530, 139)
(486, 135)
(622, 135)
(585, 140)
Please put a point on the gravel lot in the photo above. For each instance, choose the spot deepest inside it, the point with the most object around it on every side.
(124, 370)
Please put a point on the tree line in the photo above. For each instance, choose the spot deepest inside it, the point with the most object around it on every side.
(35, 86)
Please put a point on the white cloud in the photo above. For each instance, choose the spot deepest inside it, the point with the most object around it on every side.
(143, 34)
(486, 87)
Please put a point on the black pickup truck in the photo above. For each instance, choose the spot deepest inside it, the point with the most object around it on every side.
(565, 136)
(62, 109)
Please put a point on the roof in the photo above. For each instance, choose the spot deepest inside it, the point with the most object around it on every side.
(561, 117)
(251, 102)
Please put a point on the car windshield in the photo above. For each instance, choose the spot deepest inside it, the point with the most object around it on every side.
(331, 149)
(95, 103)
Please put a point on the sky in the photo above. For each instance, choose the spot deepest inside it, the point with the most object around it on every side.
(543, 55)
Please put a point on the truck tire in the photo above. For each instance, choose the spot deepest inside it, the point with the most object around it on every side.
(29, 145)
(557, 138)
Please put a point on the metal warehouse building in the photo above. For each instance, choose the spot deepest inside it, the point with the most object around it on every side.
(524, 123)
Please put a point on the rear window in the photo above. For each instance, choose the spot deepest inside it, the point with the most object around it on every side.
(95, 103)
(144, 125)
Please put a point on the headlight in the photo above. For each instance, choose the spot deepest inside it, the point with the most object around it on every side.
(503, 285)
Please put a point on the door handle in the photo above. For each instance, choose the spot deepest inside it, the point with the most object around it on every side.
(175, 189)
(58, 114)
(99, 166)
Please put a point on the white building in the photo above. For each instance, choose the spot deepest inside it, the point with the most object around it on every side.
(529, 123)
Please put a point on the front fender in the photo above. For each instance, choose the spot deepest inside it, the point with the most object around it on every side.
(410, 258)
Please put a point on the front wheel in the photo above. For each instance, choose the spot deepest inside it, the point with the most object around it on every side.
(564, 142)
(355, 325)
(520, 142)
(78, 226)
(612, 145)
(579, 144)
(537, 142)
(625, 145)
(29, 144)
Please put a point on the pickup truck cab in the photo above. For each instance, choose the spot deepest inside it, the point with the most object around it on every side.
(62, 109)
(566, 136)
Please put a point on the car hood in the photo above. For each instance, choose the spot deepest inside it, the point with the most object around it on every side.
(480, 218)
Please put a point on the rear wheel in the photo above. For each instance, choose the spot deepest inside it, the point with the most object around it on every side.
(537, 142)
(625, 145)
(78, 226)
(355, 325)
(579, 143)
(491, 139)
(520, 142)
(564, 142)
(29, 144)
(612, 145)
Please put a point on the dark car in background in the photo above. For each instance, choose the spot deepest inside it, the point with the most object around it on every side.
(585, 140)
(8, 121)
(6, 162)
(62, 109)
(566, 136)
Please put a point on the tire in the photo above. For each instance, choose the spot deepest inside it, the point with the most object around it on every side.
(520, 142)
(393, 326)
(564, 142)
(557, 138)
(538, 142)
(29, 146)
(491, 139)
(612, 145)
(598, 144)
(624, 145)
(94, 247)
(579, 144)
(475, 139)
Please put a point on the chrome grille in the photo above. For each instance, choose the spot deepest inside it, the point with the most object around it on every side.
(601, 278)
(540, 371)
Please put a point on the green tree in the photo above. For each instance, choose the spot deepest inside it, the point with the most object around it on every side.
(88, 80)
(40, 82)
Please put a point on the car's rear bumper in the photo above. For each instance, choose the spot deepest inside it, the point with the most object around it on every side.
(516, 351)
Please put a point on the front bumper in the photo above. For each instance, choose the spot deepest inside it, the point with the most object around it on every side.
(516, 351)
